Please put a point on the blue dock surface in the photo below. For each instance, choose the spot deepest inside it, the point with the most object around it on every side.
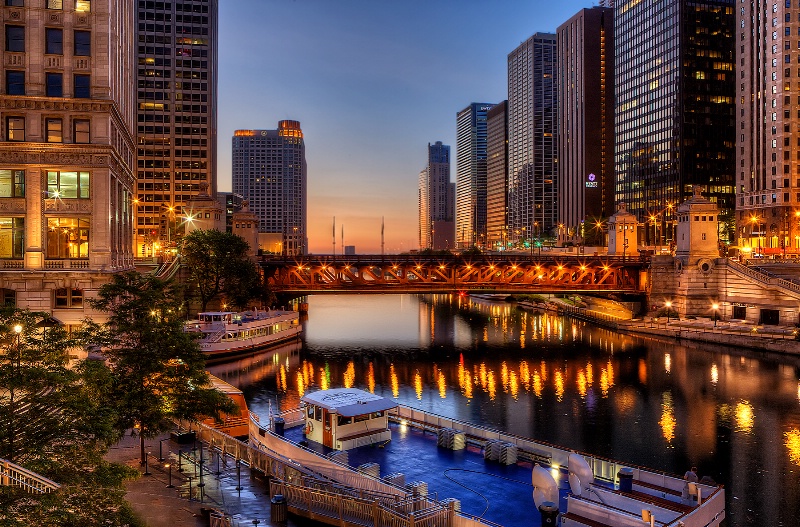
(499, 493)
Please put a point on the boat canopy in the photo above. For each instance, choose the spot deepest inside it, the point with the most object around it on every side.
(348, 402)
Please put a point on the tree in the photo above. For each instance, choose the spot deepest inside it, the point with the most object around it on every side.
(158, 371)
(218, 264)
(48, 405)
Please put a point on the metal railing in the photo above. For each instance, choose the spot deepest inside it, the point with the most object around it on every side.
(13, 475)
(760, 275)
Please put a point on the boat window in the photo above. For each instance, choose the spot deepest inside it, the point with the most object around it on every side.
(375, 415)
(310, 411)
(361, 418)
(344, 420)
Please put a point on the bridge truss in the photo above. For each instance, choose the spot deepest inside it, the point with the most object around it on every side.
(417, 274)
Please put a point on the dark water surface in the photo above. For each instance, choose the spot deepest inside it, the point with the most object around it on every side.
(734, 414)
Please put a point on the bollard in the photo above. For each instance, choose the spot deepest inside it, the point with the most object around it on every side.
(549, 513)
(625, 476)
(279, 425)
(279, 509)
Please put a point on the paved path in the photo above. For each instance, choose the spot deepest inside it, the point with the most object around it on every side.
(182, 506)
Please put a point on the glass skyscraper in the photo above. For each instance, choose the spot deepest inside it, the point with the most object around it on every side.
(674, 122)
(471, 175)
(436, 200)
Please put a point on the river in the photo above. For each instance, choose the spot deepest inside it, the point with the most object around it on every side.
(734, 414)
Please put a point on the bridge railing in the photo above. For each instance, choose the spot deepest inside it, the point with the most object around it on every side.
(13, 475)
(437, 259)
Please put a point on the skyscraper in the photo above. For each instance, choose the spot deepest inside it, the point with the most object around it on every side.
(586, 124)
(436, 200)
(176, 132)
(471, 175)
(768, 131)
(532, 136)
(269, 170)
(674, 122)
(496, 175)
(67, 154)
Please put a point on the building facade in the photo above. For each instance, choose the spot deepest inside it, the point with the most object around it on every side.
(674, 121)
(269, 170)
(768, 131)
(496, 175)
(436, 200)
(471, 176)
(176, 131)
(586, 124)
(532, 137)
(67, 152)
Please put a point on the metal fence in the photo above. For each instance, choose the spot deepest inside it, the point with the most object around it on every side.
(13, 475)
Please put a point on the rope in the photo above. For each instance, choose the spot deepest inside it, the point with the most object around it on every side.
(475, 491)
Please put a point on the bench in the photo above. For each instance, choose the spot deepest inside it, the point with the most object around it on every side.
(657, 501)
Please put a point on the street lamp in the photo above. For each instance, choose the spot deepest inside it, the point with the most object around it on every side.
(668, 305)
(715, 307)
(170, 485)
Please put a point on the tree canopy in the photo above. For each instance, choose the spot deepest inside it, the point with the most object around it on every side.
(218, 265)
(158, 370)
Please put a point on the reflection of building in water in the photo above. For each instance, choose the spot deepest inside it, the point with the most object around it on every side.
(436, 326)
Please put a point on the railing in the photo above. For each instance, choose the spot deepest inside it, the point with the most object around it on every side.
(12, 475)
(763, 276)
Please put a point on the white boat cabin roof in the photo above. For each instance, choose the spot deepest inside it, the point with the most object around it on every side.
(348, 402)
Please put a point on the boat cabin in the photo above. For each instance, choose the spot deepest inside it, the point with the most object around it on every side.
(345, 418)
(215, 316)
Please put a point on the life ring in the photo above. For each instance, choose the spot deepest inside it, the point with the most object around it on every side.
(309, 427)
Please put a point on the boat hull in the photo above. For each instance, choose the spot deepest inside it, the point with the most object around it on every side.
(227, 350)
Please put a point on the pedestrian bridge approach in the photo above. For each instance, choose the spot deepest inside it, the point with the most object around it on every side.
(446, 274)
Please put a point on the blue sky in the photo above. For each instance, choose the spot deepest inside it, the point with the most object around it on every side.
(372, 83)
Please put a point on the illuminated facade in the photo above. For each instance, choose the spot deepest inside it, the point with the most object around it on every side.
(532, 136)
(586, 124)
(67, 153)
(471, 175)
(269, 170)
(436, 200)
(674, 121)
(496, 174)
(768, 131)
(176, 131)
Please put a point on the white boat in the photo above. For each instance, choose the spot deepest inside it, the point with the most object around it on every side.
(226, 333)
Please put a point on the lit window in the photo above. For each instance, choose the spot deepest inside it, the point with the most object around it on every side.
(68, 237)
(15, 128)
(55, 4)
(83, 6)
(12, 234)
(67, 184)
(80, 131)
(65, 297)
(12, 184)
(54, 131)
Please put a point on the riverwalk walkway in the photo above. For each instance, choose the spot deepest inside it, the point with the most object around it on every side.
(187, 505)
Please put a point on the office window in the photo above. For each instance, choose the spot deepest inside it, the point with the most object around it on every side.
(83, 44)
(15, 3)
(12, 239)
(54, 41)
(54, 131)
(54, 85)
(80, 131)
(15, 128)
(15, 82)
(83, 6)
(15, 38)
(67, 184)
(82, 88)
(12, 183)
(68, 237)
(55, 4)
(68, 297)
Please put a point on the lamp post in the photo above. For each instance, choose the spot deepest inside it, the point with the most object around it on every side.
(668, 305)
(715, 307)
(160, 453)
(169, 467)
(17, 331)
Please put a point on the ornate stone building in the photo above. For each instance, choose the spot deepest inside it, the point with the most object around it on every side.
(67, 108)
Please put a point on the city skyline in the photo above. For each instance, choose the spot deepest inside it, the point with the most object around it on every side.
(371, 93)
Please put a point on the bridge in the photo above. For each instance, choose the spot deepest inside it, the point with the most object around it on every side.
(415, 273)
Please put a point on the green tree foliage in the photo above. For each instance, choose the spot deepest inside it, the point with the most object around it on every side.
(158, 370)
(218, 265)
(48, 407)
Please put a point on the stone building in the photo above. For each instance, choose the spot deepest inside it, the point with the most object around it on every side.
(66, 151)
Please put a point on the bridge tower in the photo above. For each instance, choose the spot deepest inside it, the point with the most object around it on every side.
(245, 224)
(623, 232)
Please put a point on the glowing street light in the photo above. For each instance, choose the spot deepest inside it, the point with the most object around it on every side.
(668, 305)
(715, 307)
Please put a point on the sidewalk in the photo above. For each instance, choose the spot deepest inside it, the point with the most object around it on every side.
(181, 506)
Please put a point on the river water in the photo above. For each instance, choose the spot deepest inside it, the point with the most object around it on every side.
(734, 414)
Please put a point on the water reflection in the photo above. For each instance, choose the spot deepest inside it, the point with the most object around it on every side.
(734, 415)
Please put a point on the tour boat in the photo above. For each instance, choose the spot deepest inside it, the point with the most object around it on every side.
(233, 425)
(226, 333)
(465, 474)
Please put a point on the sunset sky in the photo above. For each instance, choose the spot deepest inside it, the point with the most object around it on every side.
(372, 83)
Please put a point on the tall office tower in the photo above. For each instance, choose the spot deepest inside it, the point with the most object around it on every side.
(674, 122)
(471, 175)
(532, 138)
(496, 175)
(606, 3)
(586, 124)
(436, 200)
(177, 121)
(67, 152)
(768, 131)
(269, 170)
